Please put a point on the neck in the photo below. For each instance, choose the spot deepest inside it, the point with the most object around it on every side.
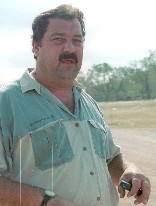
(62, 91)
(53, 85)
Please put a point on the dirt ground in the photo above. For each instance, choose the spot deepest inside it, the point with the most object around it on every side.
(139, 146)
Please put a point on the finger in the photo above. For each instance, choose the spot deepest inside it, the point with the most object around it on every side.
(145, 187)
(136, 185)
(121, 191)
(139, 200)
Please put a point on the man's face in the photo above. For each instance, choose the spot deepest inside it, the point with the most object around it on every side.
(61, 50)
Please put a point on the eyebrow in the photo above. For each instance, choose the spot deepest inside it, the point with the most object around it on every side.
(62, 34)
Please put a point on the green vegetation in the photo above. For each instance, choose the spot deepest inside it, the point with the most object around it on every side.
(134, 82)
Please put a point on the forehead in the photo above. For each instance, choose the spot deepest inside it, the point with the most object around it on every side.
(64, 26)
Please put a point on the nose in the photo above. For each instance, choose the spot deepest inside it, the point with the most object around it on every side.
(69, 47)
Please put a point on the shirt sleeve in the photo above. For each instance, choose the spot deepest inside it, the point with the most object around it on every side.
(3, 160)
(112, 149)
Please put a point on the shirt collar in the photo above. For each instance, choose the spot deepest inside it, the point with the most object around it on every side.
(78, 85)
(28, 83)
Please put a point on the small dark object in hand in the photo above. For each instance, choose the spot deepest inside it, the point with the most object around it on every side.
(127, 186)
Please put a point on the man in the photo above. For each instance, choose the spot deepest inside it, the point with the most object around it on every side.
(55, 148)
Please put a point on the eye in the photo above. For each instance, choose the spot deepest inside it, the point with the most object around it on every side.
(58, 40)
(78, 42)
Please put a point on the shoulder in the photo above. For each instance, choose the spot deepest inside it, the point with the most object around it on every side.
(9, 89)
(9, 86)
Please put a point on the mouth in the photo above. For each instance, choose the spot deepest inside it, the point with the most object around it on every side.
(68, 61)
(68, 58)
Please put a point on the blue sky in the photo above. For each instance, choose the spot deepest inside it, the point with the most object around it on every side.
(117, 32)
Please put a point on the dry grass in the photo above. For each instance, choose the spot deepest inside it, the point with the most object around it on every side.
(133, 125)
(131, 114)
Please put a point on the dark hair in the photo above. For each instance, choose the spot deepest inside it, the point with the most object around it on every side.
(63, 11)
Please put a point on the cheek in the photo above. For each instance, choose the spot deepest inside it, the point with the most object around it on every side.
(54, 53)
(80, 55)
(80, 58)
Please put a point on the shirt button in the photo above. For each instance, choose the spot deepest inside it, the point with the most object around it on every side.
(98, 198)
(76, 124)
(91, 173)
(84, 148)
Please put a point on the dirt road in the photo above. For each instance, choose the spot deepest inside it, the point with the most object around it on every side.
(139, 146)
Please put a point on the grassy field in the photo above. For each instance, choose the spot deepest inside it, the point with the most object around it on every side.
(130, 114)
(133, 125)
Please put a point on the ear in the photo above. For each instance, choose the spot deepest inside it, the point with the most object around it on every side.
(35, 48)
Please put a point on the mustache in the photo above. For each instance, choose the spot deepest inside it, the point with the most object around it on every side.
(67, 55)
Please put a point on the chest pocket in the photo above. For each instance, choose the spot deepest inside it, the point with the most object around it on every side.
(51, 146)
(99, 138)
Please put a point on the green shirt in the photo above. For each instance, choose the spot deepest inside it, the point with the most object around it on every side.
(43, 144)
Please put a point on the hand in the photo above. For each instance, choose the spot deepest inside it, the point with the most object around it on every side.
(139, 181)
(57, 201)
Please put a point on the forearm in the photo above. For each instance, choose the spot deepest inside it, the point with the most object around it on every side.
(117, 167)
(15, 194)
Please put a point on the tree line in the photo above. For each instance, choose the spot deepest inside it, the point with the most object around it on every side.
(136, 81)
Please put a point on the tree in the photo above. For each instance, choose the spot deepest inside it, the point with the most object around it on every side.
(136, 81)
